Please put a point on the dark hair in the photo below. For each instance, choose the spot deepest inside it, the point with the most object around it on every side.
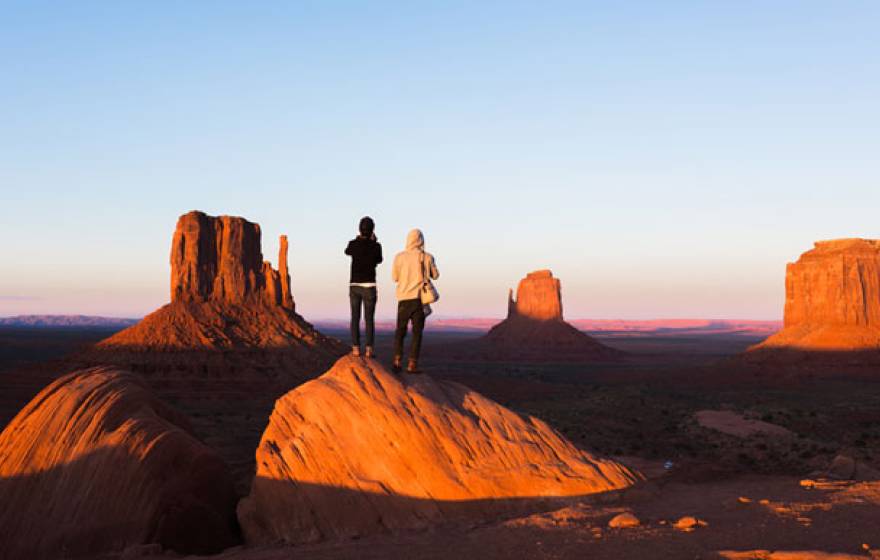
(366, 226)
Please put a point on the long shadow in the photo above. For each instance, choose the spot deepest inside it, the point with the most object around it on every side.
(297, 512)
(108, 499)
(806, 358)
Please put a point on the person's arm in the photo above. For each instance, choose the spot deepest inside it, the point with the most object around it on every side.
(378, 253)
(435, 274)
(395, 269)
(348, 248)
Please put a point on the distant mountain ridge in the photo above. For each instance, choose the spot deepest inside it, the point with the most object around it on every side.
(611, 327)
(65, 321)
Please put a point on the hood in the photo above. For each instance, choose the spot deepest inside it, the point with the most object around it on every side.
(415, 240)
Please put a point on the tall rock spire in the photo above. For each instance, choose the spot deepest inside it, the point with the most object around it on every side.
(286, 296)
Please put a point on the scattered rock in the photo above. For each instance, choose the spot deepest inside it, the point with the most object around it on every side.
(689, 523)
(623, 521)
(787, 555)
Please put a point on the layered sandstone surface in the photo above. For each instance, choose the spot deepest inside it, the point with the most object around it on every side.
(535, 330)
(832, 301)
(360, 450)
(96, 463)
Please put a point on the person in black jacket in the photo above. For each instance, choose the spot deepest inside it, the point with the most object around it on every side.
(365, 252)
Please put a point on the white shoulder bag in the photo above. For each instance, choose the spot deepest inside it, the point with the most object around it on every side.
(428, 293)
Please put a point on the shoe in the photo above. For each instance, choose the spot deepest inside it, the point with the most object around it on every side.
(413, 367)
(395, 364)
(370, 353)
(356, 351)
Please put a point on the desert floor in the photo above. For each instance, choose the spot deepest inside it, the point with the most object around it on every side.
(747, 489)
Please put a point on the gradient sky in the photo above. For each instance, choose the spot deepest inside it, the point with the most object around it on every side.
(664, 159)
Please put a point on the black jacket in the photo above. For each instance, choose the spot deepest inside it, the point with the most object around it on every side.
(365, 255)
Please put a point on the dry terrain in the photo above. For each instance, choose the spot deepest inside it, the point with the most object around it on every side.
(746, 486)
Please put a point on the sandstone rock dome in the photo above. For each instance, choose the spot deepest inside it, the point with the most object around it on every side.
(360, 450)
(535, 330)
(96, 463)
(832, 302)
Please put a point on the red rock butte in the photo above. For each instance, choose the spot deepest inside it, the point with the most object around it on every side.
(230, 339)
(96, 463)
(360, 450)
(538, 296)
(832, 301)
(220, 259)
(534, 329)
(225, 297)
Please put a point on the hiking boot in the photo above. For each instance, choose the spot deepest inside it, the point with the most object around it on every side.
(413, 367)
(356, 351)
(395, 364)
(370, 353)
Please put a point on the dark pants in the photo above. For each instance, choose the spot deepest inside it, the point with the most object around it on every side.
(366, 296)
(409, 310)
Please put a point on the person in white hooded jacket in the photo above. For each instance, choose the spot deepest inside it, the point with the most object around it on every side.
(411, 267)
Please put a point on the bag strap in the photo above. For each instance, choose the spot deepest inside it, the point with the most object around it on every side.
(422, 267)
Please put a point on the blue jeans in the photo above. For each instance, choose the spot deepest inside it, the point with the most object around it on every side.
(366, 297)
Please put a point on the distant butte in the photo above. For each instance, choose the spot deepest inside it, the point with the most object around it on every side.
(538, 297)
(535, 330)
(832, 305)
(224, 297)
(230, 335)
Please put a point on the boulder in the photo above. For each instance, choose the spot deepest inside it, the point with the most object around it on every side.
(360, 450)
(624, 520)
(97, 464)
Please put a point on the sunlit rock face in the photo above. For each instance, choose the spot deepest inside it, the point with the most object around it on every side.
(538, 297)
(832, 299)
(95, 463)
(360, 450)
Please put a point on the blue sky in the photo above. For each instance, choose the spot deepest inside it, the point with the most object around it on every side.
(665, 159)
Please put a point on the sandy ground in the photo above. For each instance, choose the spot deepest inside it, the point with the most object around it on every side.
(747, 513)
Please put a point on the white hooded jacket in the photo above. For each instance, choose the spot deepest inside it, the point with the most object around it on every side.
(407, 269)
